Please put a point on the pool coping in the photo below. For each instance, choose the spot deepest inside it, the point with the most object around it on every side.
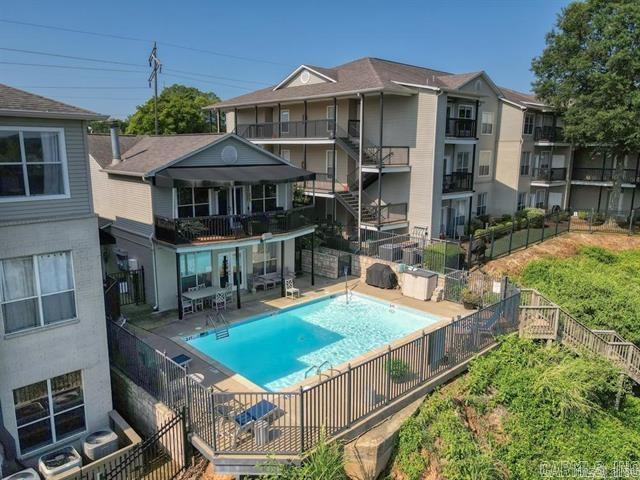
(183, 341)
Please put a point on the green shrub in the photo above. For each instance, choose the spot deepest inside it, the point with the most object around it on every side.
(439, 255)
(535, 217)
(398, 370)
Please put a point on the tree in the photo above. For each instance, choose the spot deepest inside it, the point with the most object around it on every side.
(590, 72)
(179, 111)
(104, 126)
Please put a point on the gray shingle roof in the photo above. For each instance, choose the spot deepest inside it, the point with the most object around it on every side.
(143, 154)
(15, 102)
(519, 97)
(365, 74)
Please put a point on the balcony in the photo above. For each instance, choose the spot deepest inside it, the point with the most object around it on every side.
(604, 175)
(385, 156)
(323, 128)
(546, 174)
(460, 128)
(180, 231)
(457, 182)
(386, 214)
(548, 134)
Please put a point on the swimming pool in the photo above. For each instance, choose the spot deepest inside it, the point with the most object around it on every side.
(275, 351)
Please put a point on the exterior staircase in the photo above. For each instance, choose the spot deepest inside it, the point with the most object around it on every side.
(349, 201)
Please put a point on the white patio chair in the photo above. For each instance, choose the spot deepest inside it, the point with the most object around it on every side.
(220, 300)
(199, 303)
(290, 289)
(228, 293)
(206, 300)
(187, 306)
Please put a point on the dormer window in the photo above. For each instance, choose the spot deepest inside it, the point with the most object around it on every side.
(32, 163)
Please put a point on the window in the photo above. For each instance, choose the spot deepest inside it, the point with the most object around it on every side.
(284, 121)
(487, 123)
(539, 198)
(49, 411)
(36, 291)
(195, 269)
(32, 162)
(484, 163)
(481, 206)
(286, 154)
(522, 201)
(525, 163)
(462, 161)
(329, 164)
(528, 123)
(265, 258)
(264, 198)
(192, 202)
(331, 112)
(465, 111)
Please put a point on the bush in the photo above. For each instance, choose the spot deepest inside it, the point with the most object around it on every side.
(398, 370)
(470, 298)
(439, 255)
(535, 217)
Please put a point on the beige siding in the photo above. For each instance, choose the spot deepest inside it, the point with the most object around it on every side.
(78, 173)
(507, 175)
(296, 81)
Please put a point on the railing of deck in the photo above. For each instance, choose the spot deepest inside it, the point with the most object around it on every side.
(540, 318)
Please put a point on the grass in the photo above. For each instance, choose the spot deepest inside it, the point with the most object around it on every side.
(519, 240)
(520, 405)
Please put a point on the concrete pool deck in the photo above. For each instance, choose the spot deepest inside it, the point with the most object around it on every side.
(166, 333)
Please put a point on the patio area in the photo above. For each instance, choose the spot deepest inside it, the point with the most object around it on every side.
(164, 331)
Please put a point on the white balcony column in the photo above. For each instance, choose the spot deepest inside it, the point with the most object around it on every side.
(360, 151)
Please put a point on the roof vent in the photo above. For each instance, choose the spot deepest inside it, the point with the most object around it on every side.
(229, 155)
(115, 144)
(305, 76)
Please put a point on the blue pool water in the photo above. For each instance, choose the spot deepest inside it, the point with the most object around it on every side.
(275, 351)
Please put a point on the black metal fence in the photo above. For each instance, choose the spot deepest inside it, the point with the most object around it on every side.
(626, 222)
(462, 286)
(111, 299)
(293, 422)
(129, 285)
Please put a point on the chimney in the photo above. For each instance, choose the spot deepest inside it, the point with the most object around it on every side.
(115, 144)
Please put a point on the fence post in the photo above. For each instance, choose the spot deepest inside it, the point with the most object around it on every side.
(186, 451)
(505, 284)
(513, 226)
(528, 230)
(631, 223)
(544, 222)
(212, 399)
(423, 358)
(493, 235)
(557, 222)
(349, 396)
(388, 387)
(590, 221)
(569, 221)
(301, 395)
(469, 247)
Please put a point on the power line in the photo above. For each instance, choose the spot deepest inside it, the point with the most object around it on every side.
(136, 39)
(66, 87)
(202, 80)
(215, 76)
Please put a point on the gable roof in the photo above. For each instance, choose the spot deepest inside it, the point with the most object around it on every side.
(326, 73)
(362, 75)
(100, 146)
(19, 103)
(520, 98)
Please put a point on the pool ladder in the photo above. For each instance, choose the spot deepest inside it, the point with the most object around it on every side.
(318, 370)
(219, 324)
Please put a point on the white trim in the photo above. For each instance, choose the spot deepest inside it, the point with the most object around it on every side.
(296, 71)
(492, 123)
(293, 141)
(416, 85)
(513, 103)
(490, 152)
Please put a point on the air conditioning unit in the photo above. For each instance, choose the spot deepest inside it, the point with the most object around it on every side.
(133, 264)
(59, 461)
(28, 474)
(100, 444)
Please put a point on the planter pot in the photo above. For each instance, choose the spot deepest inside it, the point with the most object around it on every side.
(469, 305)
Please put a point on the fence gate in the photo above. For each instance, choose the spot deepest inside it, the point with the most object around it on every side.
(130, 286)
(163, 456)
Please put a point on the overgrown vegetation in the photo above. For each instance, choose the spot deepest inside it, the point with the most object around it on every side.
(521, 405)
(599, 287)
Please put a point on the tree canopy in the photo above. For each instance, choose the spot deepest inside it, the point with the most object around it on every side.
(179, 111)
(590, 72)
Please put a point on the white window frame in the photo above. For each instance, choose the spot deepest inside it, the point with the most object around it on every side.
(527, 163)
(263, 245)
(488, 123)
(481, 203)
(39, 295)
(328, 163)
(531, 125)
(286, 154)
(51, 416)
(62, 145)
(480, 165)
(463, 158)
(466, 106)
(286, 122)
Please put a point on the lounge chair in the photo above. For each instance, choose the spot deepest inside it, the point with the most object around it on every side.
(290, 289)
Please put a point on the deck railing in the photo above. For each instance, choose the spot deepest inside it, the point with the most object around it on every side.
(376, 156)
(457, 182)
(180, 231)
(548, 134)
(603, 175)
(540, 318)
(549, 174)
(322, 128)
(460, 127)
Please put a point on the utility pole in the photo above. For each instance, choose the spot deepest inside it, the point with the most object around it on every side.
(156, 68)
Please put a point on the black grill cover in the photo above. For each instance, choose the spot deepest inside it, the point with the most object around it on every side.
(381, 276)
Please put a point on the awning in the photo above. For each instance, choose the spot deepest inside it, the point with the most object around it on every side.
(231, 175)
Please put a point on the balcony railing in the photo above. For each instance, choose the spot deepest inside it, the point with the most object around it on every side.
(385, 156)
(457, 182)
(323, 128)
(603, 175)
(389, 213)
(548, 134)
(181, 231)
(461, 127)
(549, 174)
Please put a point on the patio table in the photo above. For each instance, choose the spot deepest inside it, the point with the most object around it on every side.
(200, 293)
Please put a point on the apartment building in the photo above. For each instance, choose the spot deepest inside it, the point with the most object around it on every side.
(552, 172)
(198, 211)
(399, 147)
(54, 365)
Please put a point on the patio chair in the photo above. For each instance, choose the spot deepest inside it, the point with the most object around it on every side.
(228, 293)
(220, 300)
(199, 303)
(259, 282)
(187, 306)
(290, 289)
(268, 280)
(207, 300)
(242, 420)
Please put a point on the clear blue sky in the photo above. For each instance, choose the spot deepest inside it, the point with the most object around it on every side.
(498, 36)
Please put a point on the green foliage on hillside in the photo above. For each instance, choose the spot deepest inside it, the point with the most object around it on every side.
(600, 287)
(521, 405)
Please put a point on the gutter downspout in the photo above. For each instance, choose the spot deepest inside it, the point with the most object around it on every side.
(152, 238)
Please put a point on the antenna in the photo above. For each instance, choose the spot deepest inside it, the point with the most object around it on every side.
(156, 68)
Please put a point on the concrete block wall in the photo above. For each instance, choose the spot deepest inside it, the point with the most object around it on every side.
(325, 262)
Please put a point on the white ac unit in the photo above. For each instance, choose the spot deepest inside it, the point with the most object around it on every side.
(133, 264)
(59, 461)
(100, 444)
(28, 474)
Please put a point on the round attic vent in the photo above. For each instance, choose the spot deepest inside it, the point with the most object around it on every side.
(229, 154)
(305, 76)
